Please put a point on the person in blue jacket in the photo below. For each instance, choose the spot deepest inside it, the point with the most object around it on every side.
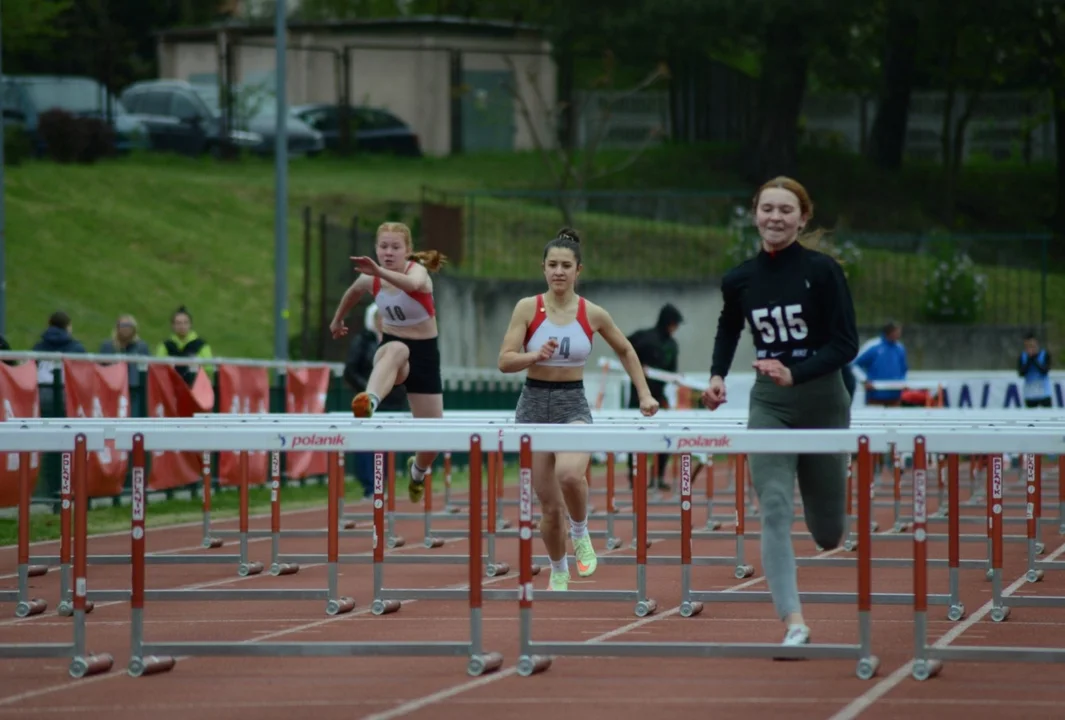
(1034, 366)
(883, 359)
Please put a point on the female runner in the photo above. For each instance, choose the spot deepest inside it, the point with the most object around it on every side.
(550, 335)
(801, 315)
(408, 354)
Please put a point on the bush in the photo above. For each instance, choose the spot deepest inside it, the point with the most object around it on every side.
(954, 291)
(69, 138)
(17, 145)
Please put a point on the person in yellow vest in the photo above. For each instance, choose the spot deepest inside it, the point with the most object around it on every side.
(184, 342)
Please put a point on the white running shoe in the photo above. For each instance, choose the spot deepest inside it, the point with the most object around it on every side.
(796, 635)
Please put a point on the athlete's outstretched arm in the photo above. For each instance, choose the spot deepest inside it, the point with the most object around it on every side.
(603, 324)
(351, 298)
(512, 357)
(416, 280)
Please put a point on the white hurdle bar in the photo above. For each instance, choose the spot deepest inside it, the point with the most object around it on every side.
(151, 657)
(24, 442)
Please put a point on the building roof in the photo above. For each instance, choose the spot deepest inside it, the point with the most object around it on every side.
(379, 26)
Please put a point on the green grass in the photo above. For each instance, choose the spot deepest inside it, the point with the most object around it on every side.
(146, 234)
(224, 504)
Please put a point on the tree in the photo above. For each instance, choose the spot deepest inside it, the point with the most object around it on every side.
(573, 169)
(887, 141)
(26, 23)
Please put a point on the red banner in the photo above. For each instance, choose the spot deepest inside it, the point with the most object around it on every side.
(243, 390)
(169, 396)
(307, 390)
(18, 392)
(99, 391)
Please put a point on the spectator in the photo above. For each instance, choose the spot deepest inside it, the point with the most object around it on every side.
(656, 349)
(883, 359)
(357, 369)
(125, 341)
(185, 343)
(4, 346)
(1034, 367)
(58, 337)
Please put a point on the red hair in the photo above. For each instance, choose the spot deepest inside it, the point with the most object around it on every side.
(432, 260)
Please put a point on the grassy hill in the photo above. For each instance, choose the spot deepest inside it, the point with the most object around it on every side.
(146, 234)
(149, 234)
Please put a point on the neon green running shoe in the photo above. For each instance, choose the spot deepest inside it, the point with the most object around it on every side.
(415, 489)
(586, 559)
(559, 581)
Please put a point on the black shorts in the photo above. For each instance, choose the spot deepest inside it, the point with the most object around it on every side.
(423, 378)
(1041, 402)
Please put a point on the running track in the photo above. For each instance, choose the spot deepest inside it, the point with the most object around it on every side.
(607, 689)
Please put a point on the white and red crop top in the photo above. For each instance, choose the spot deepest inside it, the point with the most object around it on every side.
(398, 307)
(574, 339)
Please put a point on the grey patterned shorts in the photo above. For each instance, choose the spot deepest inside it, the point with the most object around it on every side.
(557, 403)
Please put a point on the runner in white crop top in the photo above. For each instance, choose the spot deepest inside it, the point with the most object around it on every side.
(401, 308)
(550, 337)
(408, 354)
(574, 340)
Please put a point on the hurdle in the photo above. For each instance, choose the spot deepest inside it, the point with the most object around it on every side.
(933, 419)
(245, 566)
(149, 658)
(928, 659)
(24, 441)
(536, 656)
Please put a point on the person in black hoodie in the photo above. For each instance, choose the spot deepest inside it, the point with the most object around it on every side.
(656, 349)
(58, 337)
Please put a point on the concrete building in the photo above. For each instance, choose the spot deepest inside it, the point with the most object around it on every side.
(460, 84)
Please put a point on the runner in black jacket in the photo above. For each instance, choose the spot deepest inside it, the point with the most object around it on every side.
(801, 315)
(656, 349)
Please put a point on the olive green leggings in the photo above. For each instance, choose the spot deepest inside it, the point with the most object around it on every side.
(820, 403)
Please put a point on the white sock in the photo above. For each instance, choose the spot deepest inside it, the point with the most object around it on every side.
(560, 566)
(577, 530)
(374, 402)
(418, 473)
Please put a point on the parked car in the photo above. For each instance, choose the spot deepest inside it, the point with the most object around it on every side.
(373, 130)
(186, 118)
(26, 97)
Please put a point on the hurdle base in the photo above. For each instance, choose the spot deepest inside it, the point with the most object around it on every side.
(277, 569)
(768, 651)
(66, 608)
(497, 569)
(385, 607)
(31, 607)
(533, 665)
(926, 669)
(484, 664)
(340, 606)
(213, 543)
(311, 649)
(690, 609)
(396, 541)
(36, 570)
(153, 665)
(86, 665)
(347, 525)
(249, 569)
(433, 542)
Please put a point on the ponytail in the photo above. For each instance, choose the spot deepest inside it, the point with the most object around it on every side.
(431, 260)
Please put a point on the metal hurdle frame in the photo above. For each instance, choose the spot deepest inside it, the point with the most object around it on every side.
(245, 566)
(14, 437)
(535, 657)
(928, 659)
(153, 657)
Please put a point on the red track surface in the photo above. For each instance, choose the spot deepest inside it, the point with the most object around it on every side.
(593, 688)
